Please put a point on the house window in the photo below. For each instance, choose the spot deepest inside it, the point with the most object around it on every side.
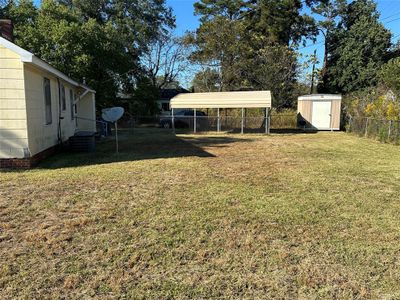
(47, 101)
(72, 106)
(165, 106)
(63, 99)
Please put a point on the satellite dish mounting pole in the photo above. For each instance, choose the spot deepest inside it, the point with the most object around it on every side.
(116, 136)
(112, 115)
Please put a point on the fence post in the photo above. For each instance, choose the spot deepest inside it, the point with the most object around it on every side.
(242, 128)
(350, 123)
(173, 120)
(218, 121)
(194, 120)
(397, 131)
(366, 128)
(390, 129)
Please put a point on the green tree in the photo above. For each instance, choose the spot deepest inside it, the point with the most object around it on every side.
(23, 13)
(357, 48)
(220, 44)
(274, 67)
(97, 41)
(229, 9)
(250, 44)
(144, 98)
(390, 76)
(221, 41)
(281, 21)
(207, 80)
(329, 10)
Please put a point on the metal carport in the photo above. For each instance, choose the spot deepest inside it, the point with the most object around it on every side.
(218, 100)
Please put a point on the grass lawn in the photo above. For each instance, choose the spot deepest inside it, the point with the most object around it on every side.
(219, 216)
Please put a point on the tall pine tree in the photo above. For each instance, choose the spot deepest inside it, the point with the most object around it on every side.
(250, 43)
(357, 48)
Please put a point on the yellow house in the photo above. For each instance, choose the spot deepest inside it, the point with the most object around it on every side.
(40, 107)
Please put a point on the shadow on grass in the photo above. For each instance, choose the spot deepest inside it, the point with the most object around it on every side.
(141, 144)
(294, 131)
(290, 131)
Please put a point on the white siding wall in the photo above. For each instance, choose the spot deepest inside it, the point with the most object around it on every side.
(13, 123)
(87, 110)
(41, 136)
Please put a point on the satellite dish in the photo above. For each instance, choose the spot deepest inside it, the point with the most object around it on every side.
(112, 114)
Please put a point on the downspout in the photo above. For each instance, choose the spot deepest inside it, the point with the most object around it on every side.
(59, 113)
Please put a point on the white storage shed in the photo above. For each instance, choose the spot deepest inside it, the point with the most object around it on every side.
(320, 112)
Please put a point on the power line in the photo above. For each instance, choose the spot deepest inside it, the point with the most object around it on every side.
(392, 20)
(388, 17)
(309, 46)
(396, 36)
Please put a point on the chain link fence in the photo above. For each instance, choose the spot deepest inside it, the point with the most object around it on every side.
(232, 124)
(387, 131)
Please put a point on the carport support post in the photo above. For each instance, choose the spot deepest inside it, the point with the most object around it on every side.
(194, 120)
(172, 120)
(266, 120)
(269, 121)
(242, 129)
(218, 121)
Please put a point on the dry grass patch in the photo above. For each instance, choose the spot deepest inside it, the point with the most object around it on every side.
(225, 216)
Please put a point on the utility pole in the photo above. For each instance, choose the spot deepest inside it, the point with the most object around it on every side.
(313, 71)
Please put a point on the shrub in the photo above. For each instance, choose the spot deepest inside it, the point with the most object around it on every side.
(378, 103)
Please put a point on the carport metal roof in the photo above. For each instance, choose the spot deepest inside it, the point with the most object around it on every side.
(253, 99)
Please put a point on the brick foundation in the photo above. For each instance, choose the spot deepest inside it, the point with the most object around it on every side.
(26, 163)
(15, 163)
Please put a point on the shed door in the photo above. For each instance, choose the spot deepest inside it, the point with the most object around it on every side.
(321, 115)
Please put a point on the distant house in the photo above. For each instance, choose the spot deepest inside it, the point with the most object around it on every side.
(40, 107)
(166, 95)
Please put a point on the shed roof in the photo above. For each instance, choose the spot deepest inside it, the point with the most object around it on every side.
(28, 57)
(320, 97)
(254, 99)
